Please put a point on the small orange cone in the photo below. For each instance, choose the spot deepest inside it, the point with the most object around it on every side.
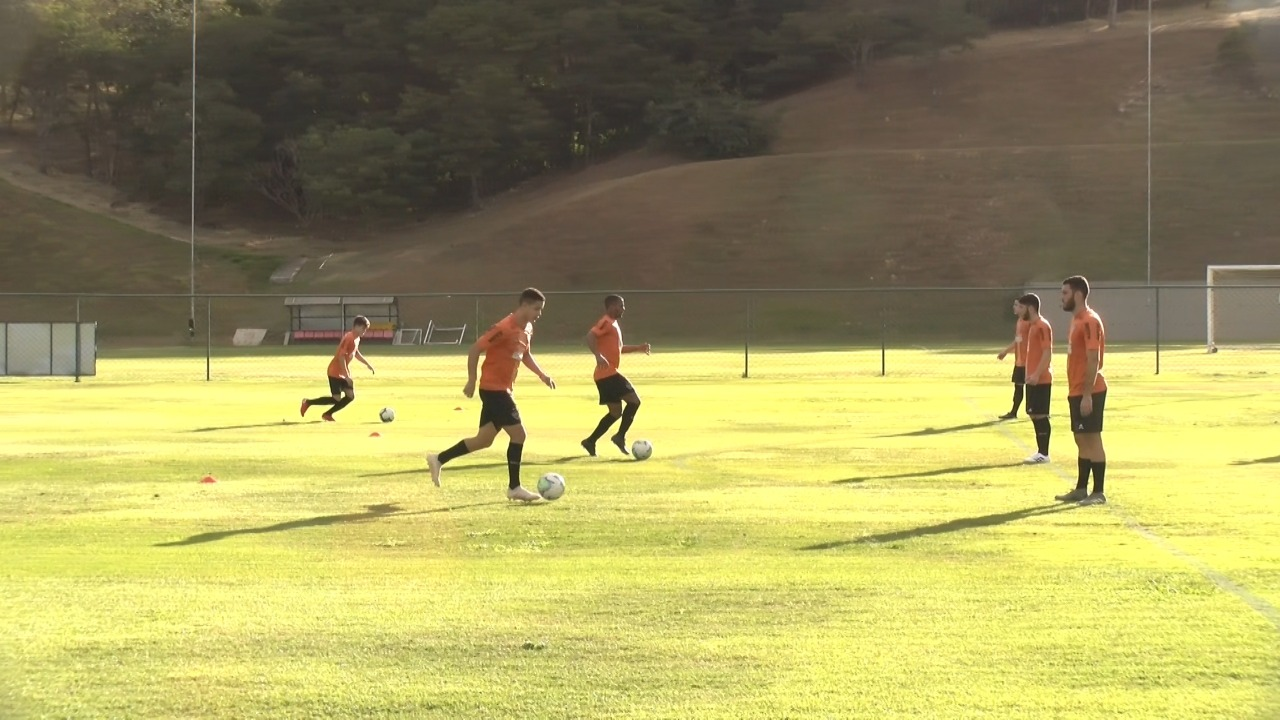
(208, 480)
(375, 434)
(457, 408)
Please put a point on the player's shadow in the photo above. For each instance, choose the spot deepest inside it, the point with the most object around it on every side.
(969, 523)
(372, 512)
(278, 423)
(959, 470)
(1259, 461)
(420, 469)
(943, 431)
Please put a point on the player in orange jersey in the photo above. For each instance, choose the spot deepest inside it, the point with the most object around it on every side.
(1019, 349)
(1087, 391)
(341, 387)
(1039, 358)
(605, 342)
(505, 347)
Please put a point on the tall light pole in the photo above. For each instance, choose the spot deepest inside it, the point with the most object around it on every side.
(1150, 100)
(191, 321)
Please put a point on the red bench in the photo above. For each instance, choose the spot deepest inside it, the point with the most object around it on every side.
(336, 335)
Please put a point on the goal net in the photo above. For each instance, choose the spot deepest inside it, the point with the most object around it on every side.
(1243, 305)
(407, 336)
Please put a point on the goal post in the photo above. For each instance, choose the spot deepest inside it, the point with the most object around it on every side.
(1261, 285)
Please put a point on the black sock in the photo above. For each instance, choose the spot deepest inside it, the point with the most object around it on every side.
(454, 452)
(1042, 435)
(341, 404)
(1017, 399)
(322, 401)
(1099, 475)
(606, 422)
(628, 417)
(1082, 483)
(514, 451)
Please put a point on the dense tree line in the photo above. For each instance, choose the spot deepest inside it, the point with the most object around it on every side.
(347, 108)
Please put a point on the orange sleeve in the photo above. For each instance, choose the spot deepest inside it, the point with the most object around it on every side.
(1046, 338)
(490, 337)
(1092, 334)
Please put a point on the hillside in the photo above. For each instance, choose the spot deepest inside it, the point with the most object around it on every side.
(1020, 159)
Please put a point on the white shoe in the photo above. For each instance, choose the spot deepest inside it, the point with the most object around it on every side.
(519, 493)
(434, 464)
(1037, 459)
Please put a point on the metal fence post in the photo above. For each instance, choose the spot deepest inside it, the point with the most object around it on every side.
(1157, 330)
(475, 329)
(746, 338)
(883, 331)
(77, 330)
(208, 339)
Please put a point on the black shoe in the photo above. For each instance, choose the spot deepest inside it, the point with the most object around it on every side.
(1009, 416)
(621, 442)
(590, 447)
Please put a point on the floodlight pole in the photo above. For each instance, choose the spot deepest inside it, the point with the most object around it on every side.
(191, 322)
(1150, 98)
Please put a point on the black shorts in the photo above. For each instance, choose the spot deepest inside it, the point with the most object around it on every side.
(1038, 397)
(1093, 422)
(499, 408)
(1020, 375)
(614, 388)
(337, 385)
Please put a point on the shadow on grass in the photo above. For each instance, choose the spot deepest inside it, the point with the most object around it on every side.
(422, 468)
(950, 526)
(372, 512)
(278, 423)
(942, 431)
(926, 473)
(1259, 461)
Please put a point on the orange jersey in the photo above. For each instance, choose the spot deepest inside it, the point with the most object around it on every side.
(1086, 334)
(346, 351)
(504, 345)
(608, 334)
(1039, 345)
(1020, 343)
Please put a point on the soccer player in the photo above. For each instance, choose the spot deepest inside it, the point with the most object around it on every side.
(1039, 354)
(1018, 348)
(605, 342)
(341, 387)
(505, 346)
(1087, 392)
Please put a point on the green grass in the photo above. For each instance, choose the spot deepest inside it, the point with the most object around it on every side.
(811, 542)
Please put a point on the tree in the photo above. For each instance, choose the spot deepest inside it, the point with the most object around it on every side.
(353, 171)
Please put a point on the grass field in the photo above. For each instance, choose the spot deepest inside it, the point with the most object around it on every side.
(808, 544)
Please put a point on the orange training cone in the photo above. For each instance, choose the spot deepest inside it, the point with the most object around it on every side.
(208, 480)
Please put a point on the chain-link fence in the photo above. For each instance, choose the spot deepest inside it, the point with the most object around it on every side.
(912, 332)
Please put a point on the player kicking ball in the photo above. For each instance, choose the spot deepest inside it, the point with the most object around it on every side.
(342, 388)
(605, 342)
(505, 347)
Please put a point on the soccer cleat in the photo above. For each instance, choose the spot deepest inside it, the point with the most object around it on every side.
(1094, 499)
(434, 464)
(519, 493)
(590, 447)
(621, 442)
(327, 418)
(305, 405)
(1009, 416)
(1074, 496)
(1036, 459)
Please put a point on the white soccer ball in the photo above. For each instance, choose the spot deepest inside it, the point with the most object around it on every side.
(551, 486)
(641, 449)
(387, 414)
